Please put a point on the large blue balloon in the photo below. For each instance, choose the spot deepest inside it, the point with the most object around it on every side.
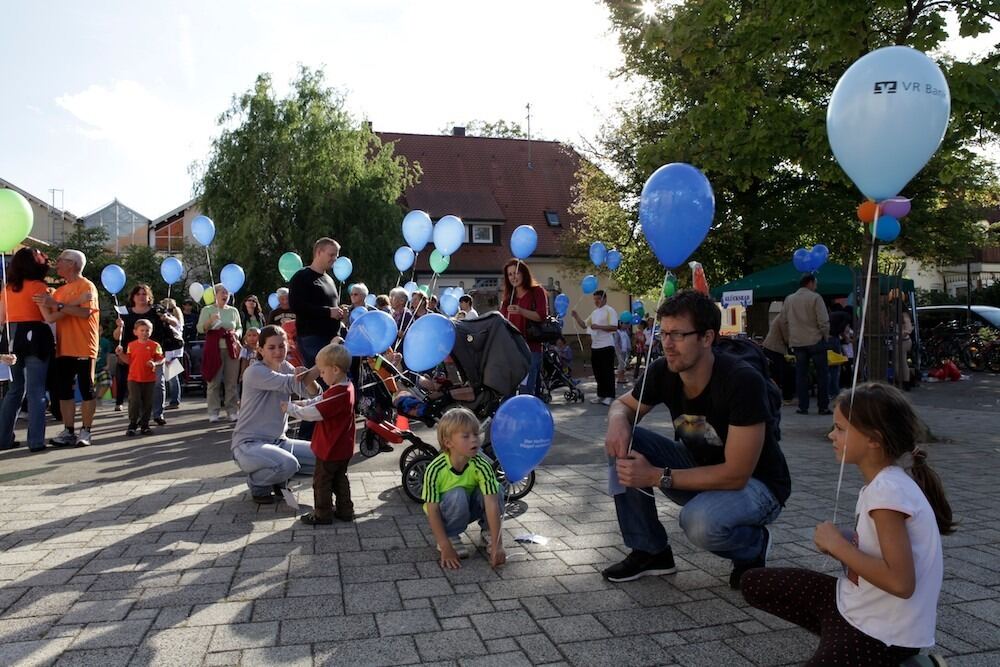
(372, 333)
(448, 304)
(598, 253)
(203, 230)
(613, 259)
(887, 229)
(113, 278)
(272, 300)
(403, 258)
(410, 288)
(357, 313)
(449, 234)
(521, 433)
(523, 241)
(417, 230)
(232, 277)
(561, 304)
(171, 270)
(342, 268)
(675, 211)
(589, 284)
(887, 117)
(820, 254)
(802, 260)
(428, 341)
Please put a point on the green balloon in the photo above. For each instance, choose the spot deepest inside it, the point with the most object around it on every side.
(669, 285)
(16, 219)
(289, 264)
(426, 289)
(439, 262)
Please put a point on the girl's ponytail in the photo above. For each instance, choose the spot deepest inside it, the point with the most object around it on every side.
(930, 484)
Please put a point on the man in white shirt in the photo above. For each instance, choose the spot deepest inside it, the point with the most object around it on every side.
(603, 324)
(465, 309)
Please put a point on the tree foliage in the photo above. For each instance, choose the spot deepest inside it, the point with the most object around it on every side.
(286, 171)
(740, 90)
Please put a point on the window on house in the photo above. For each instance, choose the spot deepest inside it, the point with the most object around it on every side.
(482, 234)
(552, 217)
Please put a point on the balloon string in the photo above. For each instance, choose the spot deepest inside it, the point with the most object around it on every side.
(857, 362)
(513, 290)
(578, 339)
(121, 332)
(6, 313)
(208, 257)
(413, 268)
(399, 279)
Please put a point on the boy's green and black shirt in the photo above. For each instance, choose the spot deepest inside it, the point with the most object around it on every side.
(440, 477)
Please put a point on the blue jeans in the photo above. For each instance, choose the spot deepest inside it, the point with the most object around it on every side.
(174, 390)
(817, 354)
(270, 463)
(530, 385)
(159, 391)
(730, 524)
(459, 508)
(309, 347)
(28, 377)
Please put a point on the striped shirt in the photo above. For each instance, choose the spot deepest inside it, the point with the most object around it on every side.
(440, 477)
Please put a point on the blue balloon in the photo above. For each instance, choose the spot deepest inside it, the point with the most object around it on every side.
(417, 230)
(887, 229)
(448, 304)
(370, 300)
(598, 253)
(521, 433)
(561, 304)
(113, 278)
(801, 259)
(523, 241)
(403, 258)
(372, 333)
(357, 312)
(625, 317)
(820, 254)
(203, 230)
(613, 259)
(449, 234)
(886, 118)
(428, 341)
(411, 287)
(342, 268)
(675, 211)
(171, 270)
(272, 300)
(636, 318)
(232, 277)
(589, 284)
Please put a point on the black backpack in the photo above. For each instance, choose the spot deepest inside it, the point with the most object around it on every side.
(745, 350)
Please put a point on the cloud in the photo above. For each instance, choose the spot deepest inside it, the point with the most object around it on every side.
(185, 50)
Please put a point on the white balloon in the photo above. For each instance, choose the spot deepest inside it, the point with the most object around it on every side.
(196, 291)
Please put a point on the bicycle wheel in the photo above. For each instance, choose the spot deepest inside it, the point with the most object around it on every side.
(413, 478)
(415, 451)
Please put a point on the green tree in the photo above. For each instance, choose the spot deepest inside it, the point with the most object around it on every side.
(498, 129)
(740, 89)
(286, 171)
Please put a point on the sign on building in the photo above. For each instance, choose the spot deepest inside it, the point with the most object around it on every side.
(743, 297)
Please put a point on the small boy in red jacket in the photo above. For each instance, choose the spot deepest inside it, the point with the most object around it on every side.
(333, 437)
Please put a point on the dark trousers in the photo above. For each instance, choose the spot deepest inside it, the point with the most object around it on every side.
(329, 480)
(140, 403)
(781, 373)
(121, 383)
(602, 360)
(817, 355)
(809, 599)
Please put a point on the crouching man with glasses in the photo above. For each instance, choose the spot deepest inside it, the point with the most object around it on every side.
(724, 466)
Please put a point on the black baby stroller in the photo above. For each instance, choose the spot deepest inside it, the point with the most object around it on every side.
(556, 375)
(486, 366)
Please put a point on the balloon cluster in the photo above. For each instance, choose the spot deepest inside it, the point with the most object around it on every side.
(889, 213)
(600, 255)
(807, 260)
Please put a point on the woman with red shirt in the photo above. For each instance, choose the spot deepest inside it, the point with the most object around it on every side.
(31, 341)
(529, 303)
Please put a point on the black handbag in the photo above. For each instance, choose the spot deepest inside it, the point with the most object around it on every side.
(548, 330)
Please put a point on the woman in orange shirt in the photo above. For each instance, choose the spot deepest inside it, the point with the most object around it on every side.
(32, 343)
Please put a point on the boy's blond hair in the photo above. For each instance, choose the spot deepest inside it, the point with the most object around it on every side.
(453, 421)
(139, 323)
(334, 355)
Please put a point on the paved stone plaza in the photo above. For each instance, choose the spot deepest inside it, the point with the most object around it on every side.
(146, 551)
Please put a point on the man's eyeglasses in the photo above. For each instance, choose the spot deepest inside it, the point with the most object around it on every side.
(678, 336)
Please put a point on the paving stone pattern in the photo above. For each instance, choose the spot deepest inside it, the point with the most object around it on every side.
(188, 572)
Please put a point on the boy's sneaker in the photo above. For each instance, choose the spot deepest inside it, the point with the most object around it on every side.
(118, 407)
(460, 549)
(641, 564)
(83, 438)
(64, 439)
(312, 520)
(160, 421)
(145, 430)
(131, 431)
(213, 418)
(761, 561)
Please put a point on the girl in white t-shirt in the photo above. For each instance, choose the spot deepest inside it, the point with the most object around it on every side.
(883, 609)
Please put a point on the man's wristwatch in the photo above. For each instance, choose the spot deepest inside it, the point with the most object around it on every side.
(666, 479)
(60, 306)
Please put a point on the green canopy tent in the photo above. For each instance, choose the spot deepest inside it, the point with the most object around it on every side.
(777, 282)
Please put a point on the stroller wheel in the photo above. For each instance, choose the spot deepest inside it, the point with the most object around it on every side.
(514, 490)
(413, 478)
(371, 444)
(415, 451)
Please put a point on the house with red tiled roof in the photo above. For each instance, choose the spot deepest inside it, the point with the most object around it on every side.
(496, 185)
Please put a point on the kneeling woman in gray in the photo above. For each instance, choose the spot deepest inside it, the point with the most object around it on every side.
(260, 447)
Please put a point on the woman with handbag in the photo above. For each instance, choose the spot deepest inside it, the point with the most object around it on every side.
(526, 305)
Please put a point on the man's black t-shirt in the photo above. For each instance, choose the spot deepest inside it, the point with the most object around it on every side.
(735, 395)
(279, 316)
(310, 297)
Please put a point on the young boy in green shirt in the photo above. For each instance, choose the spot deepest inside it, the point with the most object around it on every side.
(459, 488)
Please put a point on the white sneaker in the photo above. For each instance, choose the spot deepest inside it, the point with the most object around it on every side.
(118, 408)
(233, 417)
(214, 418)
(64, 439)
(83, 437)
(607, 401)
(596, 400)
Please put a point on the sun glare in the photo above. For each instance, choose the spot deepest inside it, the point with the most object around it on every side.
(648, 9)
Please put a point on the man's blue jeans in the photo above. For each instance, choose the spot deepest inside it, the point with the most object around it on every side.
(459, 508)
(28, 377)
(730, 524)
(817, 354)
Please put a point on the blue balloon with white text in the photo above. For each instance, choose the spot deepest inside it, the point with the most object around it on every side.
(521, 434)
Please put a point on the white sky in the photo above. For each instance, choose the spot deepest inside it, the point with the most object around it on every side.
(117, 99)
